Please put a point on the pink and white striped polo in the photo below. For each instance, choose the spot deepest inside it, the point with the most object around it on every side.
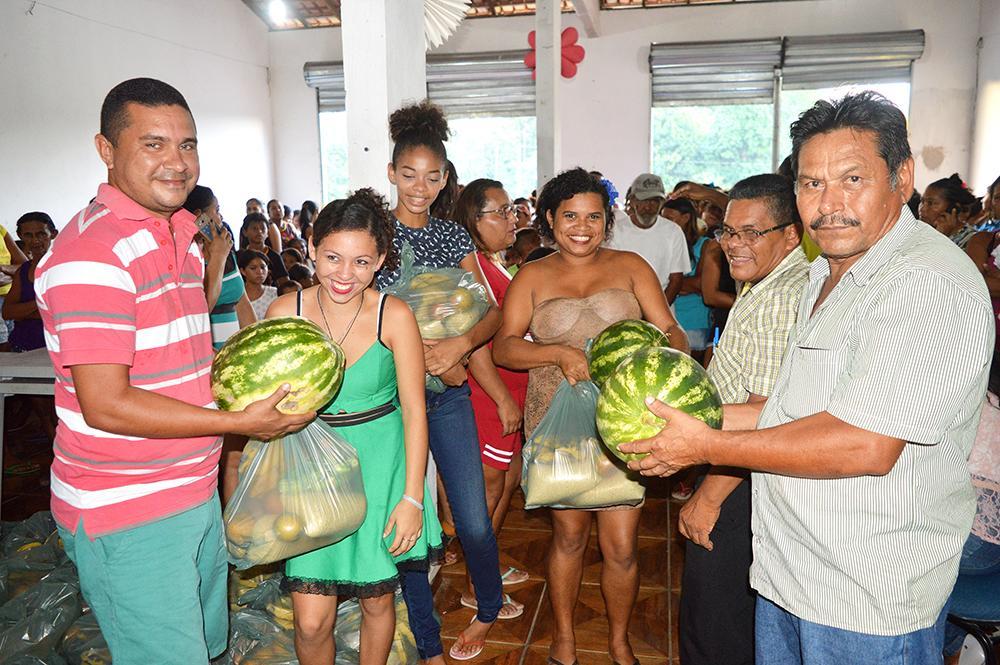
(117, 289)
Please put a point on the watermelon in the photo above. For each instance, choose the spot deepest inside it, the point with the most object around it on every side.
(617, 342)
(670, 376)
(259, 358)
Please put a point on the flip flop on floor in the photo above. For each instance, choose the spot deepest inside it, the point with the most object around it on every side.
(513, 576)
(507, 602)
(461, 643)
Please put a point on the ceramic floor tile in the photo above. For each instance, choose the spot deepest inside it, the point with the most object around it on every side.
(648, 629)
(655, 518)
(676, 562)
(535, 655)
(493, 654)
(455, 616)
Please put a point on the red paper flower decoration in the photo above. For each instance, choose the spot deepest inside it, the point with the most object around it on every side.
(572, 53)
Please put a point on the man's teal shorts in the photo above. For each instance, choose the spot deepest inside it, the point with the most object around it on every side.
(158, 590)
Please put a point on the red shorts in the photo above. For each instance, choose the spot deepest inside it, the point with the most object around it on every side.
(496, 449)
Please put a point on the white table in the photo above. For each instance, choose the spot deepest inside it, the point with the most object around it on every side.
(29, 373)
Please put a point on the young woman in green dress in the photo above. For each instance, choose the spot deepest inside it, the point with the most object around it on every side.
(380, 411)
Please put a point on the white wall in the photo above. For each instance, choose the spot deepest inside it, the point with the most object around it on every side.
(986, 143)
(57, 64)
(606, 107)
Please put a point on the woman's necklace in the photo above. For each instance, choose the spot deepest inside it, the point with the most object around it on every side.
(319, 300)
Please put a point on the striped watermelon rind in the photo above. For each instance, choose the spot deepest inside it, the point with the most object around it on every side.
(259, 358)
(670, 376)
(619, 341)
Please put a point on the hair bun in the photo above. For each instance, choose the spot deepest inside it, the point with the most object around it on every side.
(423, 119)
(369, 198)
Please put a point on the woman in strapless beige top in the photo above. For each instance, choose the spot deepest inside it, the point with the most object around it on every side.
(563, 300)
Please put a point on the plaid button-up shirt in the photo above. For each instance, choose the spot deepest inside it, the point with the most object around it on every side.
(749, 353)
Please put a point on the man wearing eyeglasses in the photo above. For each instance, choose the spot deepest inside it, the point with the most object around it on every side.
(760, 236)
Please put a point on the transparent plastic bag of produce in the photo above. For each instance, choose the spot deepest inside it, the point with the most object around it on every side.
(295, 494)
(446, 301)
(565, 464)
(83, 643)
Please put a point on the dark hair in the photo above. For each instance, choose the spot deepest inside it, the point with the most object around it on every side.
(255, 218)
(252, 218)
(686, 207)
(683, 206)
(199, 199)
(914, 203)
(37, 216)
(519, 200)
(525, 236)
(992, 189)
(444, 205)
(286, 211)
(245, 256)
(143, 91)
(865, 111)
(957, 195)
(254, 199)
(785, 168)
(296, 254)
(469, 205)
(288, 286)
(538, 253)
(363, 210)
(307, 214)
(418, 125)
(299, 271)
(563, 187)
(777, 191)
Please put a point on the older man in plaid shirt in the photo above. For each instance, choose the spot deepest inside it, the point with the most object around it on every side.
(761, 237)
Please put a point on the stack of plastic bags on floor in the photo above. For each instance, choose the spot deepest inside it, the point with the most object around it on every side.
(43, 618)
(45, 621)
(261, 630)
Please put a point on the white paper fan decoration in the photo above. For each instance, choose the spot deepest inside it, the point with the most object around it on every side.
(441, 17)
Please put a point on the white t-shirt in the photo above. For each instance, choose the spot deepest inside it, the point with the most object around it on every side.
(663, 245)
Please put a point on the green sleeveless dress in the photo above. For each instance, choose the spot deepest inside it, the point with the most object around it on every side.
(360, 566)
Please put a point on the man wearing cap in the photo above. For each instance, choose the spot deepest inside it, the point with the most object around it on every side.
(654, 238)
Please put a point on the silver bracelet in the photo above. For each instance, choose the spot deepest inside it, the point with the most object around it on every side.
(410, 499)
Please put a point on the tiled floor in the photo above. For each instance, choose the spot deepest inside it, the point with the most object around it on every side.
(524, 542)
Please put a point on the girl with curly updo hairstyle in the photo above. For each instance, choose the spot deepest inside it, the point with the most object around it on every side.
(565, 186)
(563, 300)
(380, 411)
(947, 205)
(419, 172)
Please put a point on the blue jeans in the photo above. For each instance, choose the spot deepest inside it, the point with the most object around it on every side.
(454, 443)
(784, 639)
(978, 558)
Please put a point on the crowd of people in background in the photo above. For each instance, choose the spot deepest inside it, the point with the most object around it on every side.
(723, 272)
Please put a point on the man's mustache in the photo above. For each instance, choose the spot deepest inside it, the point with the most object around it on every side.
(835, 219)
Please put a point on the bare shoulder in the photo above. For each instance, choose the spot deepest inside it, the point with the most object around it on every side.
(396, 311)
(285, 305)
(622, 259)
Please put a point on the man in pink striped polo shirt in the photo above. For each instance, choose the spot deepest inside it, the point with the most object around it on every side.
(137, 447)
